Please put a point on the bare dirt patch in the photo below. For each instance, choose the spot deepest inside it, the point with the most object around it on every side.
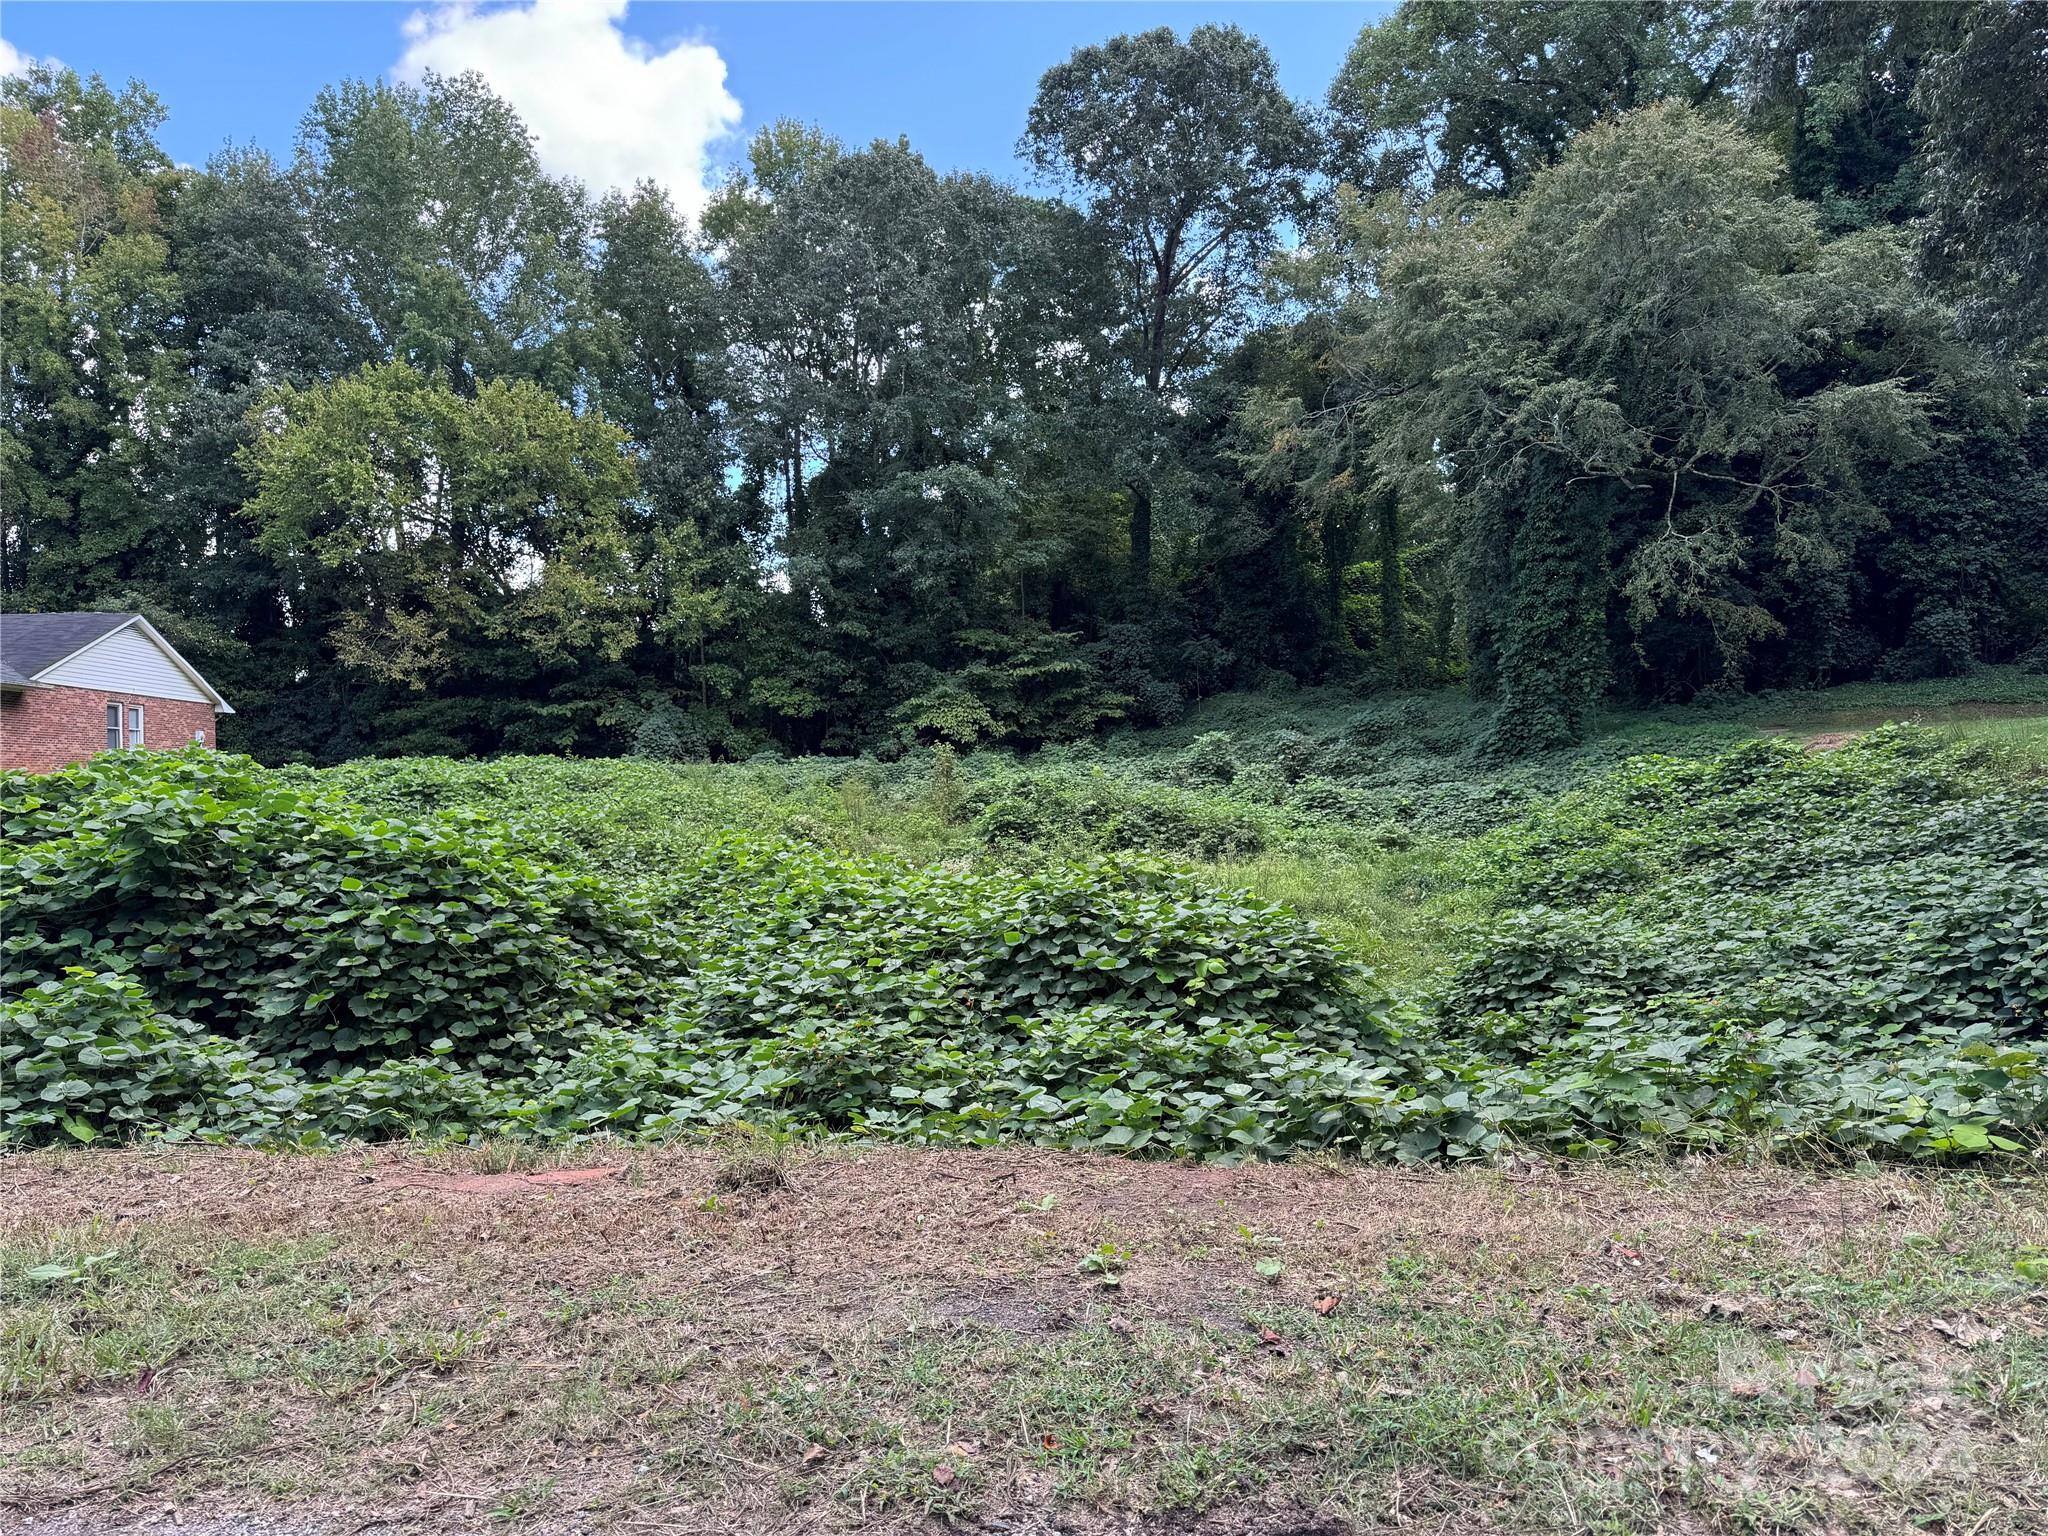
(401, 1340)
(891, 1222)
(508, 1184)
(1829, 741)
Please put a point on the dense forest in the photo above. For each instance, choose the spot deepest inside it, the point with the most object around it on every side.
(1583, 353)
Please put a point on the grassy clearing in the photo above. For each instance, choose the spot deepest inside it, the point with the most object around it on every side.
(889, 1340)
(1359, 810)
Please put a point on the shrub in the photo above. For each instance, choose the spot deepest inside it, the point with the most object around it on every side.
(1210, 758)
(1292, 754)
(264, 909)
(1095, 813)
(669, 734)
(774, 929)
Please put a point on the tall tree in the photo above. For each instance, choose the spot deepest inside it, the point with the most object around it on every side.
(1191, 159)
(1479, 95)
(899, 359)
(256, 313)
(93, 375)
(1659, 398)
(661, 373)
(455, 250)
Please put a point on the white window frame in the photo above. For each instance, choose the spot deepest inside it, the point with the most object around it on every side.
(135, 725)
(113, 727)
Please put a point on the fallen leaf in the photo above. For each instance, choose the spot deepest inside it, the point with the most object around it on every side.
(945, 1477)
(1744, 1389)
(1272, 1341)
(1966, 1331)
(813, 1453)
(1048, 1442)
(963, 1448)
(1324, 1305)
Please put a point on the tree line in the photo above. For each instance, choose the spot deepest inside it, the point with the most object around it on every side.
(1581, 352)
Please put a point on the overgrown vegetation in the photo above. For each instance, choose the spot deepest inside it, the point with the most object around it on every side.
(982, 539)
(1713, 946)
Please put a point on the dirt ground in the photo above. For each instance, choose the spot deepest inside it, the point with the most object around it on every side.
(753, 1338)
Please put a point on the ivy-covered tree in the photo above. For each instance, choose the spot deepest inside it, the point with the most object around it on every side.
(1985, 99)
(1658, 397)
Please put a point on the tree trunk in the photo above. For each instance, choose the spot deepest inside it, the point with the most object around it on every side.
(1141, 537)
(1393, 596)
(1155, 385)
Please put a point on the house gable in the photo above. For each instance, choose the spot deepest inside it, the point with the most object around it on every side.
(132, 659)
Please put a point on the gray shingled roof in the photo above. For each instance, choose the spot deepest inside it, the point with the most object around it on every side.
(30, 642)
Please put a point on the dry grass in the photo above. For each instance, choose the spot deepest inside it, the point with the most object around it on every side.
(755, 1338)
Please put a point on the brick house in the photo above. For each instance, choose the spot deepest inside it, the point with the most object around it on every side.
(72, 684)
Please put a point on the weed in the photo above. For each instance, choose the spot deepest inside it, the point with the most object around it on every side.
(1106, 1264)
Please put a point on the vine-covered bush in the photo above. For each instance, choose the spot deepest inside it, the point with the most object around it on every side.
(1890, 885)
(1850, 945)
(1846, 950)
(871, 937)
(263, 908)
(85, 1055)
(1095, 813)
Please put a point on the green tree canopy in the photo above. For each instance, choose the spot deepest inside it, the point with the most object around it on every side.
(452, 247)
(420, 530)
(1190, 158)
(1464, 95)
(94, 372)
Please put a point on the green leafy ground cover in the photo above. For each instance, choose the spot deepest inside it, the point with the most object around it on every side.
(1683, 934)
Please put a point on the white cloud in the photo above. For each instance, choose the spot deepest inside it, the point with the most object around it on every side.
(14, 62)
(604, 107)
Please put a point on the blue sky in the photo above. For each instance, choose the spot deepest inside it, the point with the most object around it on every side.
(616, 90)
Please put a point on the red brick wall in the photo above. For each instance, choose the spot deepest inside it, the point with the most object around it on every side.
(45, 728)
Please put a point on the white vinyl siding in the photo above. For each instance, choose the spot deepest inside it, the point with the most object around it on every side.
(127, 661)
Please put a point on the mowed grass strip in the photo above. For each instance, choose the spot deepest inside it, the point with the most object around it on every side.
(756, 1337)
